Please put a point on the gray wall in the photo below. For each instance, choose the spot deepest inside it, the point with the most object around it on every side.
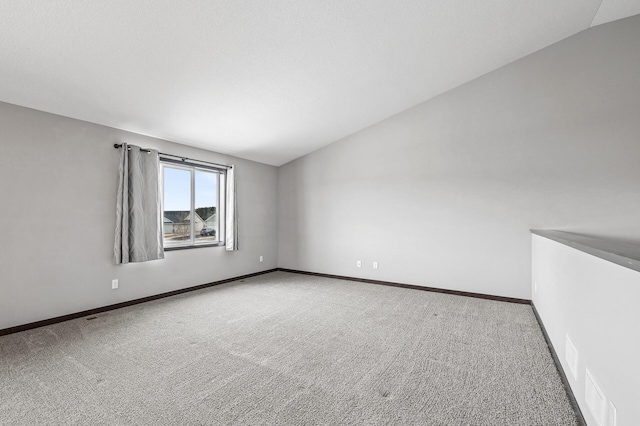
(595, 303)
(444, 194)
(441, 195)
(58, 179)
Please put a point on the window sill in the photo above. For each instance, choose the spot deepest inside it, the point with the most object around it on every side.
(175, 248)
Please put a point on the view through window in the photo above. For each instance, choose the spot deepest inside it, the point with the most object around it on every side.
(190, 201)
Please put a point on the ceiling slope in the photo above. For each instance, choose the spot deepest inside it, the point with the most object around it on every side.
(263, 80)
(612, 10)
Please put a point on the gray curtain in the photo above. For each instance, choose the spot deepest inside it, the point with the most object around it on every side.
(138, 207)
(231, 214)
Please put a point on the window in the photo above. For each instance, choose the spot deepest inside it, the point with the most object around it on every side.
(191, 203)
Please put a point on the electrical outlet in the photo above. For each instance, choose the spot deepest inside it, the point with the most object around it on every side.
(375, 265)
(261, 258)
(114, 284)
(358, 264)
(535, 286)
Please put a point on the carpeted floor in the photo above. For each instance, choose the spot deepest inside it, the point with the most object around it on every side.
(288, 349)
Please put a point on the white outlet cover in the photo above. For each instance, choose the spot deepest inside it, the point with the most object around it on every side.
(375, 265)
(571, 356)
(596, 399)
(358, 264)
(114, 284)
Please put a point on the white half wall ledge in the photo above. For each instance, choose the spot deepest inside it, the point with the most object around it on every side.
(582, 295)
(619, 252)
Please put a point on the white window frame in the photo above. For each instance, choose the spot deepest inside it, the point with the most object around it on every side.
(192, 167)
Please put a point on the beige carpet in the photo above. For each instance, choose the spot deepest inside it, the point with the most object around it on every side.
(287, 349)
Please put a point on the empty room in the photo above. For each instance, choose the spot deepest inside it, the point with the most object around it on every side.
(355, 212)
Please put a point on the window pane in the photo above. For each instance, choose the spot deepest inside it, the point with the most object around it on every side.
(206, 224)
(177, 206)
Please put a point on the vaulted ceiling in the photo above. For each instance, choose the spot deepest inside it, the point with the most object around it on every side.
(267, 80)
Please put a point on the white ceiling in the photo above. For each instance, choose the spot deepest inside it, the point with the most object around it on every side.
(265, 80)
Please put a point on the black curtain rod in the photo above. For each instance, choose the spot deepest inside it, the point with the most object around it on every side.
(119, 145)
